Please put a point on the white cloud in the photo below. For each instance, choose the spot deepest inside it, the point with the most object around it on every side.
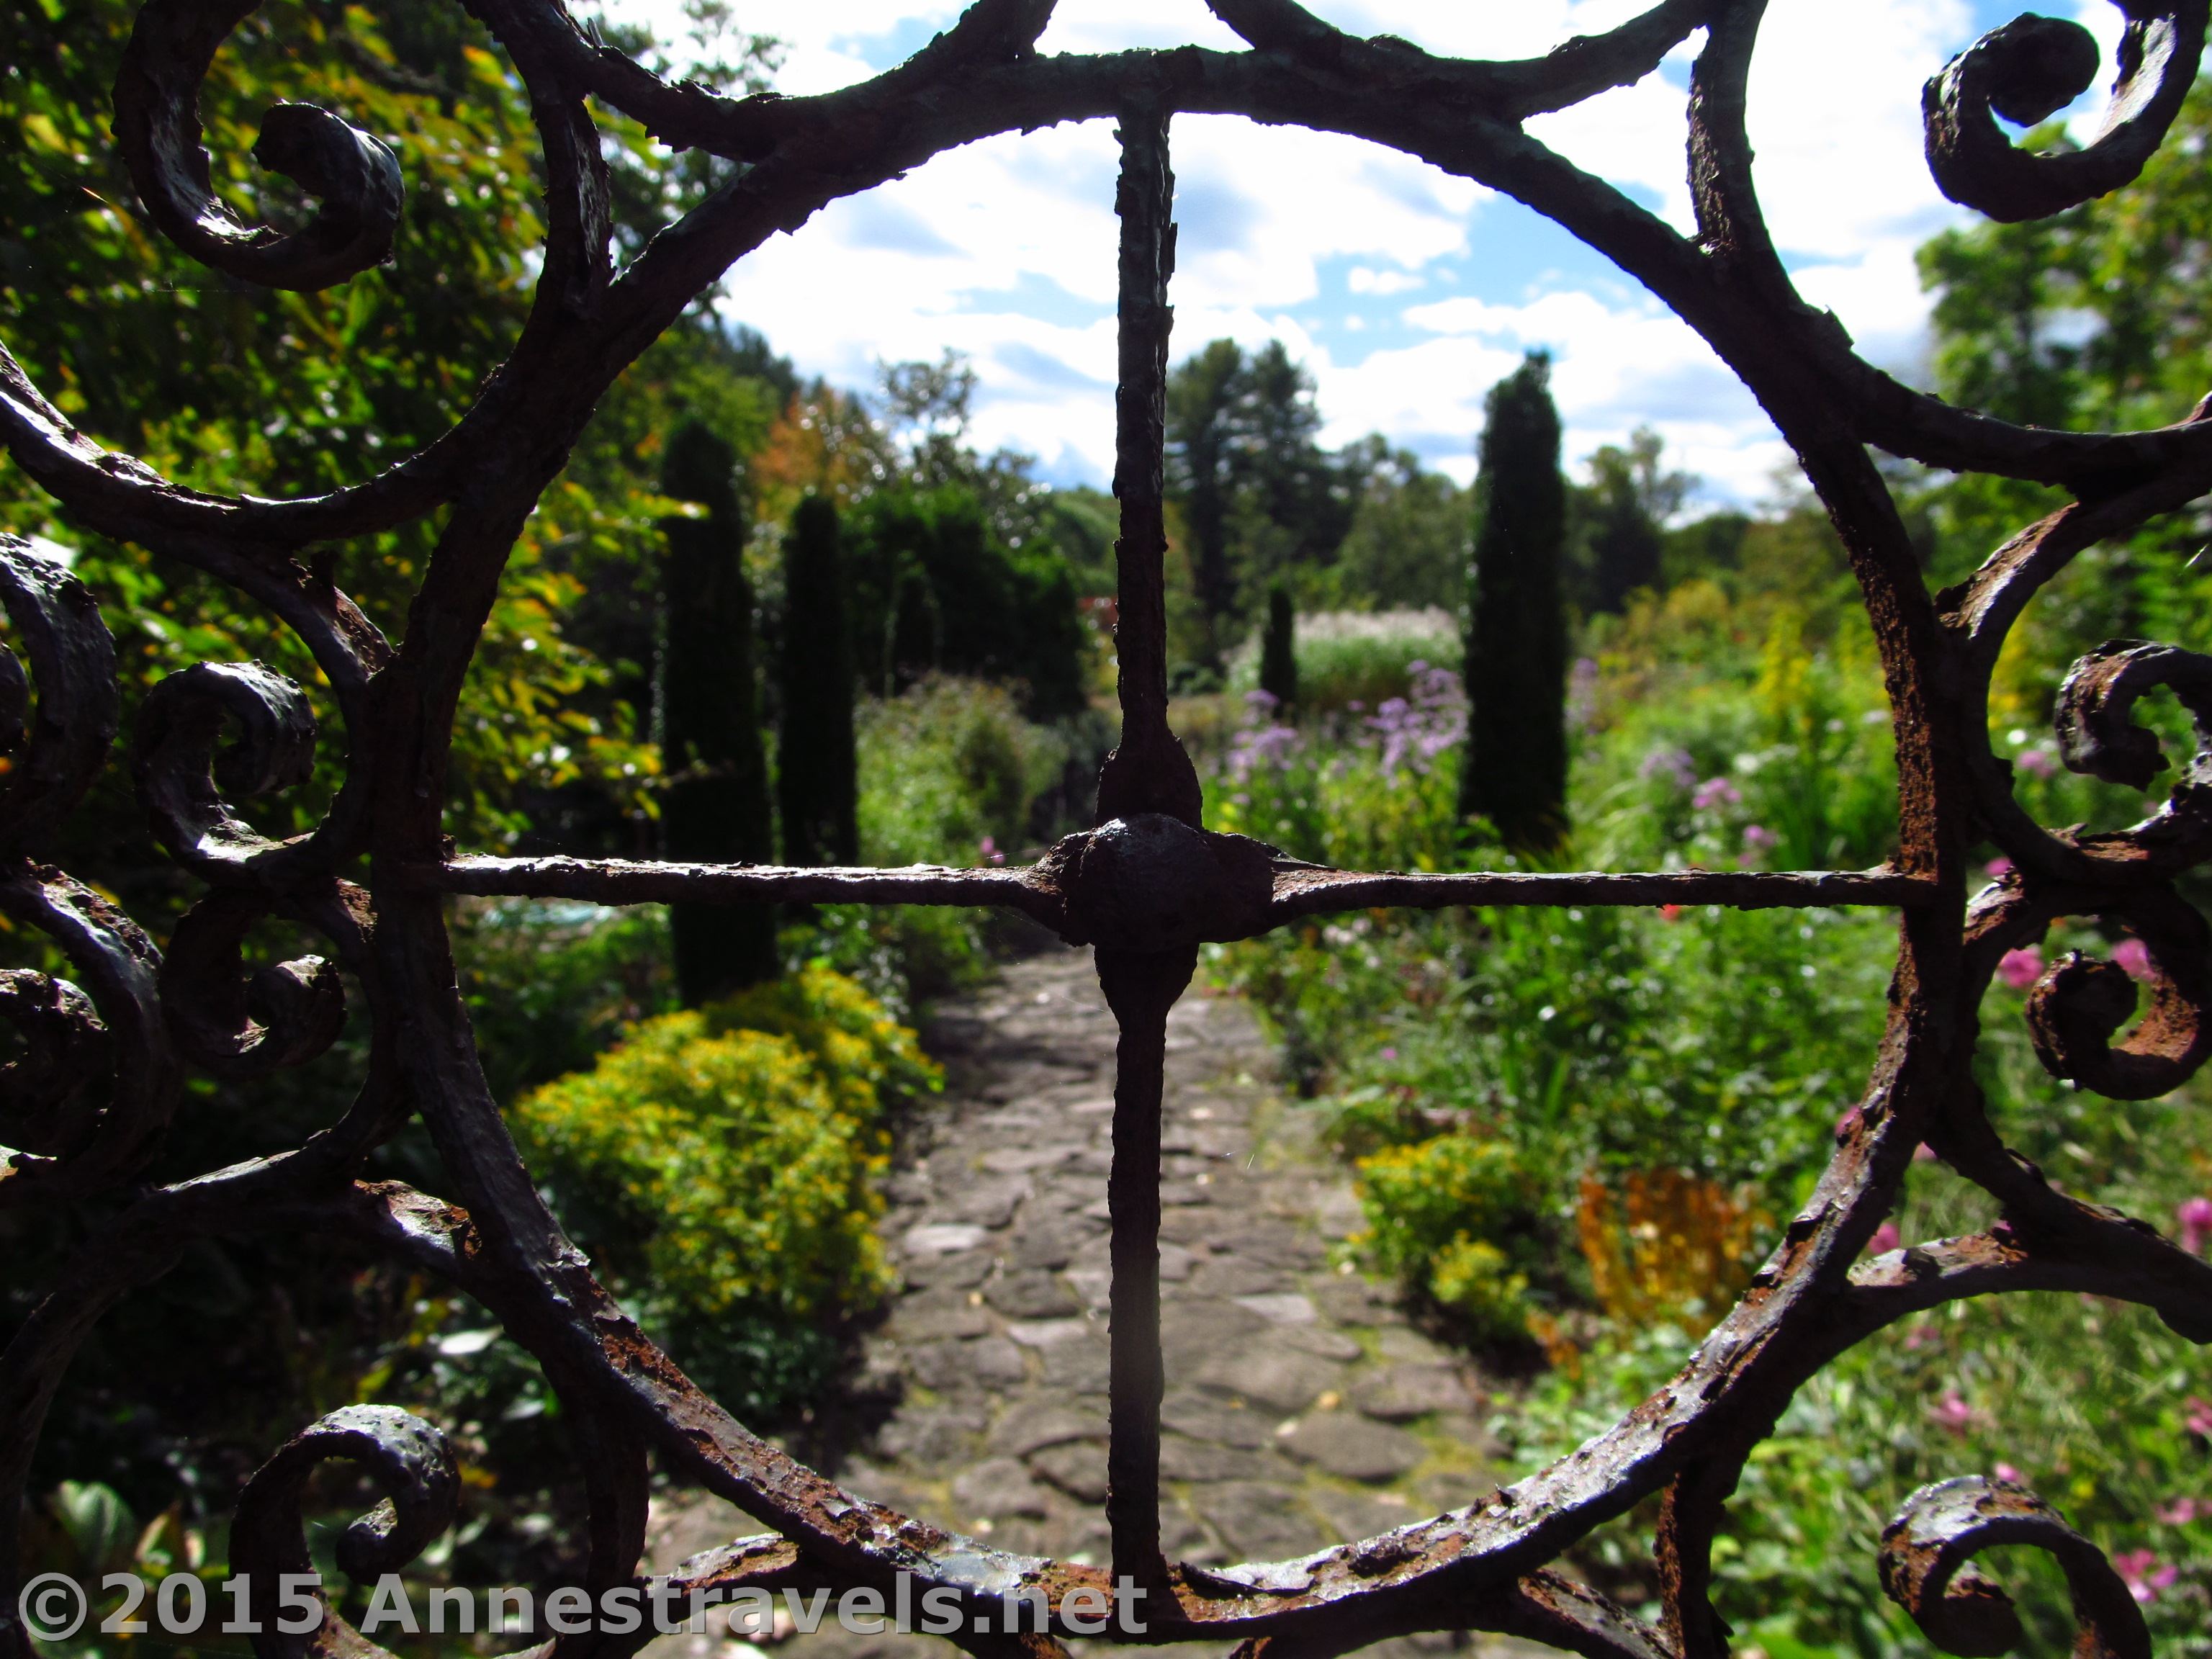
(1365, 279)
(1006, 249)
(1617, 366)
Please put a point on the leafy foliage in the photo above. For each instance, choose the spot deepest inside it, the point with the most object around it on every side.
(719, 1163)
(1466, 1221)
(936, 590)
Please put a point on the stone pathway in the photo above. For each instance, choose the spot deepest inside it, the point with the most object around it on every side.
(1302, 1408)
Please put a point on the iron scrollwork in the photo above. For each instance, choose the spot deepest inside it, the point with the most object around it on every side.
(107, 1047)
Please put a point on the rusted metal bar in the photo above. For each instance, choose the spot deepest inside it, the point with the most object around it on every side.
(1148, 772)
(1049, 893)
(1141, 990)
(626, 881)
(1304, 889)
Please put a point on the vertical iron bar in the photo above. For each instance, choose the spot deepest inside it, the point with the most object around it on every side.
(1140, 987)
(1148, 772)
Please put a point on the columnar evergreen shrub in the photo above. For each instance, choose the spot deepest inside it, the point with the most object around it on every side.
(816, 780)
(1515, 773)
(1278, 650)
(715, 804)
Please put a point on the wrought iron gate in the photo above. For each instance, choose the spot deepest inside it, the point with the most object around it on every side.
(1146, 887)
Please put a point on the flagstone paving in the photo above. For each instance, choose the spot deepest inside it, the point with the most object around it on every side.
(1302, 1409)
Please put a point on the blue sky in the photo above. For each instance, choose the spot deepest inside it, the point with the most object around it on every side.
(1406, 291)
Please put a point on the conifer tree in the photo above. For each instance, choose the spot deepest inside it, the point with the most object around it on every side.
(1279, 649)
(1516, 767)
(715, 804)
(817, 781)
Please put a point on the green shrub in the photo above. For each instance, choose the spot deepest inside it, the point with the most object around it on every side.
(1463, 1222)
(549, 985)
(935, 591)
(722, 1164)
(950, 773)
(1475, 1279)
(946, 768)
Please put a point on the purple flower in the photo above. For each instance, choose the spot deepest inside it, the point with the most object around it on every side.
(1670, 766)
(1262, 703)
(2198, 1416)
(2194, 1216)
(2010, 1475)
(1436, 688)
(2021, 969)
(2134, 956)
(2037, 762)
(1262, 746)
(987, 849)
(1886, 1239)
(2141, 1572)
(1582, 695)
(1998, 867)
(1716, 792)
(1413, 733)
(1389, 1054)
(1757, 838)
(2182, 1511)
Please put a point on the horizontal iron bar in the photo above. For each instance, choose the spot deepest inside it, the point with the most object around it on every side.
(1298, 890)
(638, 881)
(1312, 890)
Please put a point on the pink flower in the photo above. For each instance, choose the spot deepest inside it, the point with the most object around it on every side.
(2021, 969)
(2010, 1475)
(2195, 1215)
(2037, 762)
(2134, 956)
(1924, 1153)
(1848, 1120)
(2198, 1418)
(1952, 1412)
(987, 849)
(1389, 1054)
(2182, 1511)
(1716, 792)
(1759, 837)
(1920, 1336)
(2140, 1571)
(1886, 1239)
(1998, 867)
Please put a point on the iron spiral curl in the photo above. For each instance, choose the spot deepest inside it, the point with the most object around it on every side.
(107, 1051)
